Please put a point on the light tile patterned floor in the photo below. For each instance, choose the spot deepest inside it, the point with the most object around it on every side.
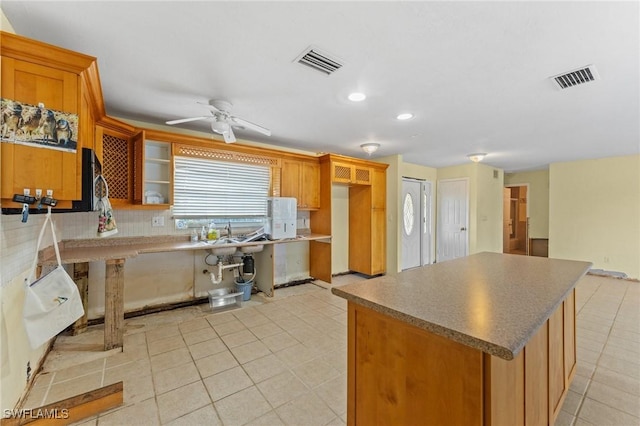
(283, 361)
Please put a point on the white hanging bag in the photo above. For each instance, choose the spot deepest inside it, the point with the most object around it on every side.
(52, 302)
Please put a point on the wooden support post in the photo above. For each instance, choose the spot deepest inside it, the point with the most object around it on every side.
(114, 304)
(81, 278)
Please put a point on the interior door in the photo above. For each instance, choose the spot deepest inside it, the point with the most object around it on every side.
(453, 219)
(506, 218)
(411, 224)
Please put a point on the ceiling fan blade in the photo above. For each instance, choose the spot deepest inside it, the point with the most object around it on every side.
(186, 120)
(249, 125)
(229, 137)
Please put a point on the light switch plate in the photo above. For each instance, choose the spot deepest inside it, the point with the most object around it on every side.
(157, 221)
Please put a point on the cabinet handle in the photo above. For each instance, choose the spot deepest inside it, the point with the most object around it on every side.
(463, 229)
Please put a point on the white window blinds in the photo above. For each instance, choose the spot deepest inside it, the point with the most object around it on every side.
(206, 188)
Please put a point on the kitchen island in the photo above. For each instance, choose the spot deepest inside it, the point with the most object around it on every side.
(485, 339)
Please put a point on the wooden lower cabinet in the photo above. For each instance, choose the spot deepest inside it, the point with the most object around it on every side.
(401, 374)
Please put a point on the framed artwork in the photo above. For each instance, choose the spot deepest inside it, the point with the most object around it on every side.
(38, 126)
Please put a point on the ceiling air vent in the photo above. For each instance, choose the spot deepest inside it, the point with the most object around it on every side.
(576, 77)
(319, 60)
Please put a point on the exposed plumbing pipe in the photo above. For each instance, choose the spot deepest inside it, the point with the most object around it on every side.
(222, 267)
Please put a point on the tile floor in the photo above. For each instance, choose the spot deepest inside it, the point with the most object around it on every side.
(283, 361)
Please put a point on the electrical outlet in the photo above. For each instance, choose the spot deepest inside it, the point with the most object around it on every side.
(38, 193)
(157, 221)
(26, 191)
(49, 192)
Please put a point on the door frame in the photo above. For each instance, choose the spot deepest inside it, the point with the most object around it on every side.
(438, 223)
(527, 237)
(425, 216)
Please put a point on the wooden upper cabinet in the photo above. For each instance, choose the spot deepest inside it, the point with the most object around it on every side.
(34, 73)
(301, 180)
(343, 172)
(290, 179)
(378, 189)
(152, 170)
(32, 167)
(114, 151)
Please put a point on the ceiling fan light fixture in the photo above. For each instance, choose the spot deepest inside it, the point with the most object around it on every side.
(477, 156)
(220, 127)
(370, 147)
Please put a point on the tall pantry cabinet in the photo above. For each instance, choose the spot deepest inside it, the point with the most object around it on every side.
(367, 181)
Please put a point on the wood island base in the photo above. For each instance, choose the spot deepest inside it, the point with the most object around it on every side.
(401, 374)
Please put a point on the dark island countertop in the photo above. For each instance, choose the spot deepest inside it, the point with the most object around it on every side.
(489, 301)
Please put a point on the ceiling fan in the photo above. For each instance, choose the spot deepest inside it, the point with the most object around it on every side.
(223, 122)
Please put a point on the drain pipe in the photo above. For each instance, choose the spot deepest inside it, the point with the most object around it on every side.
(222, 267)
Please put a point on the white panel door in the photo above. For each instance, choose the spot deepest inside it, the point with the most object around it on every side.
(452, 239)
(411, 224)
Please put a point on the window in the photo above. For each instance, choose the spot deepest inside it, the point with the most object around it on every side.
(207, 188)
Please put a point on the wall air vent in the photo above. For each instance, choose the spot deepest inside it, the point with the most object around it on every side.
(576, 77)
(319, 60)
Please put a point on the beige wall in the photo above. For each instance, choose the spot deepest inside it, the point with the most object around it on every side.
(394, 189)
(485, 204)
(5, 25)
(537, 199)
(594, 212)
(339, 229)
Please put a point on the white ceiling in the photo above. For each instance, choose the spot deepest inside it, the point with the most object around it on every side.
(475, 74)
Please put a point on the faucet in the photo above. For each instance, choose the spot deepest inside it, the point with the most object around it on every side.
(228, 228)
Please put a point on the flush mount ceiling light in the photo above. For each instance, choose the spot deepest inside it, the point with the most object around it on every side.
(357, 97)
(370, 147)
(477, 157)
(404, 116)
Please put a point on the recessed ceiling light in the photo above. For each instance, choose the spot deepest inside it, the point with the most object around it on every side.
(404, 116)
(357, 97)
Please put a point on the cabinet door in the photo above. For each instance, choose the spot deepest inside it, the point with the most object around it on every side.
(341, 172)
(290, 180)
(138, 167)
(24, 166)
(117, 166)
(379, 189)
(557, 382)
(360, 236)
(310, 186)
(378, 242)
(569, 306)
(361, 175)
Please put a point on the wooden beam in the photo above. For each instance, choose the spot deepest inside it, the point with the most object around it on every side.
(114, 304)
(81, 278)
(70, 410)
